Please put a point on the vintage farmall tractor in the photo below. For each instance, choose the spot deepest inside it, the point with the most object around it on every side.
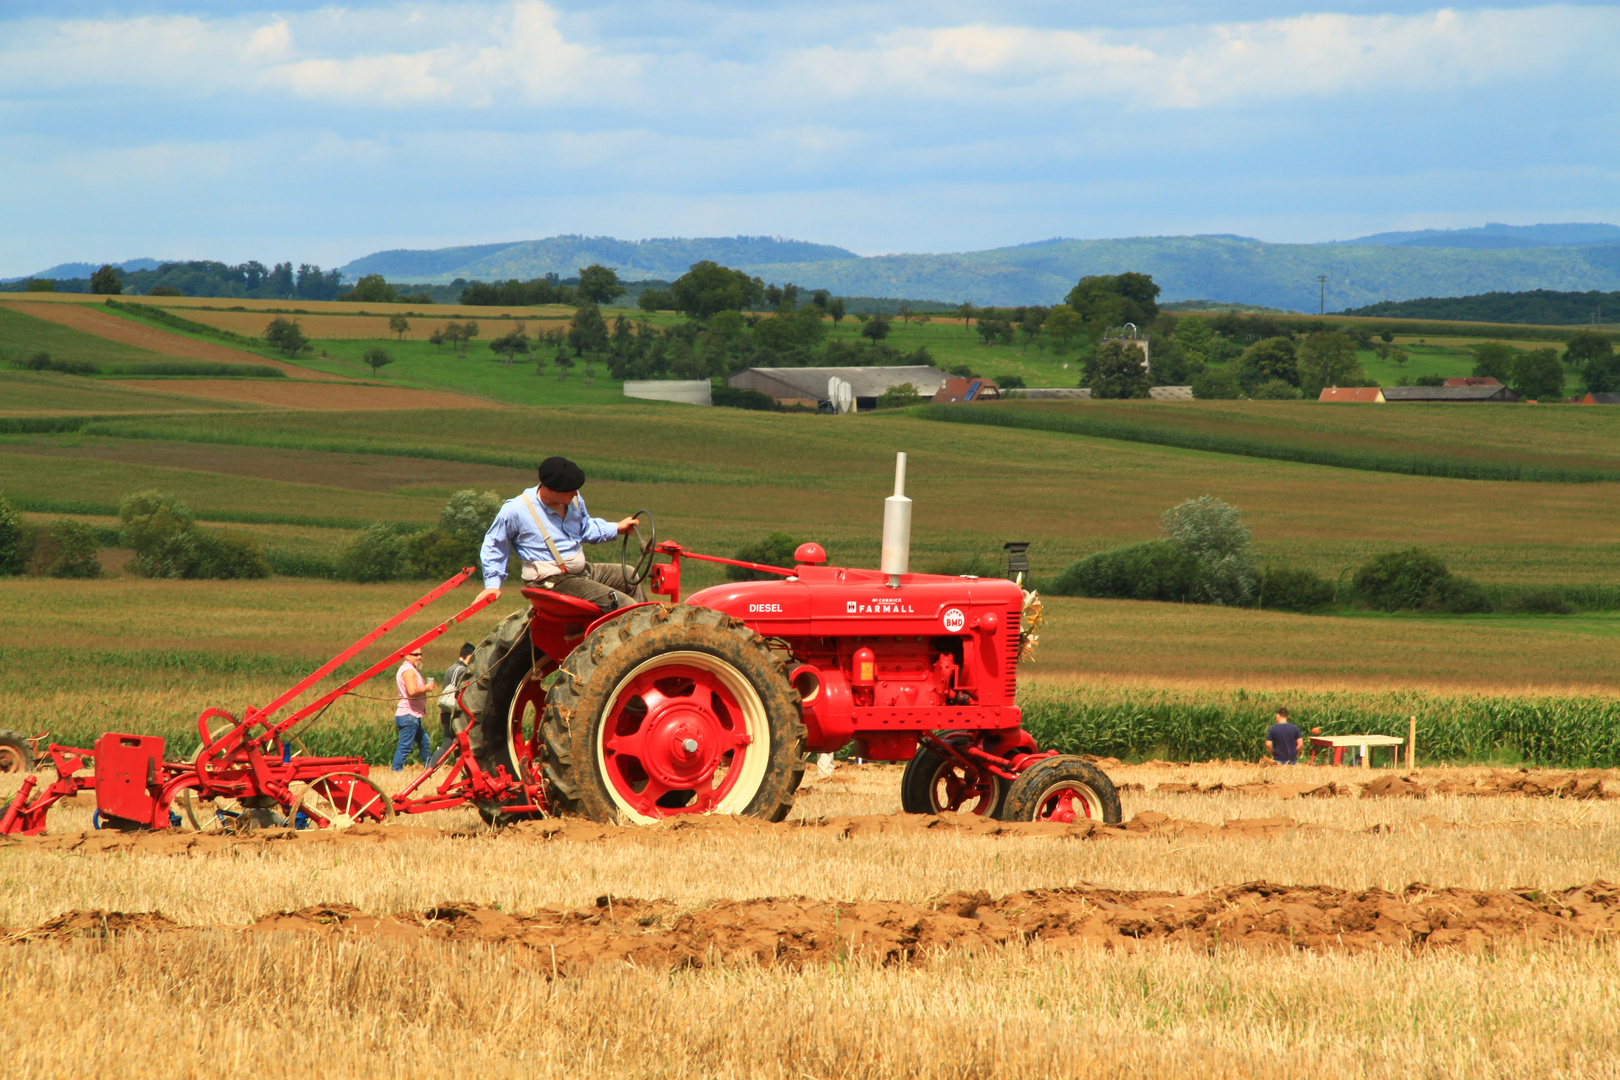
(653, 710)
(710, 705)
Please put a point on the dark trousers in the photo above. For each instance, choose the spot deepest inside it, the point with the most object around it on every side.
(604, 584)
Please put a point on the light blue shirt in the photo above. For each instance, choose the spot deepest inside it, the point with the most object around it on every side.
(514, 527)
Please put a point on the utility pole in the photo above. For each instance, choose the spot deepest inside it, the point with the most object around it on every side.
(1322, 280)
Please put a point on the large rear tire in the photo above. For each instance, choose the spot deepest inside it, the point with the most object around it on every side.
(504, 702)
(1062, 789)
(934, 782)
(672, 709)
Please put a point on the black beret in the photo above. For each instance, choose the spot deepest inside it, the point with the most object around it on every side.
(560, 474)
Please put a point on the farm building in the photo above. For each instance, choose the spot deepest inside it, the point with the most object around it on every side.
(687, 391)
(1597, 399)
(1352, 394)
(1449, 393)
(958, 389)
(815, 386)
(1473, 380)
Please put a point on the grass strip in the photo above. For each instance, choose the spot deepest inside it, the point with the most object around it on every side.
(1548, 730)
(1078, 422)
(170, 321)
(35, 505)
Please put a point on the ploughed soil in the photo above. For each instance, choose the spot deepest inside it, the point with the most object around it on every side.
(1528, 783)
(680, 830)
(793, 931)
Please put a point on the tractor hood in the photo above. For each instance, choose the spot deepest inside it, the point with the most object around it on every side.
(830, 601)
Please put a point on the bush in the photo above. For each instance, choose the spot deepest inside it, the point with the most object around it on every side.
(73, 550)
(775, 550)
(737, 398)
(469, 514)
(1543, 601)
(438, 554)
(1156, 570)
(1403, 580)
(376, 553)
(1458, 596)
(228, 555)
(1284, 588)
(12, 555)
(899, 397)
(1275, 390)
(1010, 382)
(1213, 532)
(1216, 386)
(168, 543)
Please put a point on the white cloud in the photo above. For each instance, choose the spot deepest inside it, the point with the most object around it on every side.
(1215, 64)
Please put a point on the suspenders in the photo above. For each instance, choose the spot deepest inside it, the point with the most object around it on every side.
(540, 523)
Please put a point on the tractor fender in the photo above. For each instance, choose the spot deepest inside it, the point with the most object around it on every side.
(615, 613)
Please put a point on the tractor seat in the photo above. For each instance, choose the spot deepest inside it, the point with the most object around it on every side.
(560, 607)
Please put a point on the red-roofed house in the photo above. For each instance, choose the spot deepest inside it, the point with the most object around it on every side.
(1353, 394)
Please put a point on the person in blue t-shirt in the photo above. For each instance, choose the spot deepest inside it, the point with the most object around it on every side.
(1282, 740)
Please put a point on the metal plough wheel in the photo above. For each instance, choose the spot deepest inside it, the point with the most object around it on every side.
(339, 800)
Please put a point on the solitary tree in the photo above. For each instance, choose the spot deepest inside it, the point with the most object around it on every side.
(1327, 358)
(1586, 346)
(709, 287)
(286, 335)
(1117, 369)
(1494, 360)
(876, 328)
(377, 358)
(1538, 375)
(835, 309)
(964, 311)
(599, 284)
(1063, 325)
(399, 324)
(106, 281)
(512, 344)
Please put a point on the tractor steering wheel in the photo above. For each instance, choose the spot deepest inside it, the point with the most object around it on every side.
(649, 547)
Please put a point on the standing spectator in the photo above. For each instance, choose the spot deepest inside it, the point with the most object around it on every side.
(1282, 740)
(411, 711)
(453, 676)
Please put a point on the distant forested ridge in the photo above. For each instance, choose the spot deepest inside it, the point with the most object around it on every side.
(1539, 307)
(1217, 268)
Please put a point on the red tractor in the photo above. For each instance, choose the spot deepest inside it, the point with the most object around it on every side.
(712, 704)
(707, 706)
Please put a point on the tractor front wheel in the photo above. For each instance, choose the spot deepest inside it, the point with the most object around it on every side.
(1062, 789)
(934, 782)
(672, 709)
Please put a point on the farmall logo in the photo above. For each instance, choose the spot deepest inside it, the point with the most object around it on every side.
(879, 606)
(954, 620)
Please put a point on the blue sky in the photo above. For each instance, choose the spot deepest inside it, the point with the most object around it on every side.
(321, 132)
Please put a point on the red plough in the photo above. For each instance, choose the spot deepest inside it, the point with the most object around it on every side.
(251, 764)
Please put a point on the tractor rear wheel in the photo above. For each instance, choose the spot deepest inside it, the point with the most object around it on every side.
(934, 782)
(672, 709)
(1062, 789)
(506, 704)
(14, 755)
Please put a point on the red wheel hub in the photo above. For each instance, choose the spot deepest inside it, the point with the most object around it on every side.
(1064, 805)
(527, 704)
(956, 785)
(675, 741)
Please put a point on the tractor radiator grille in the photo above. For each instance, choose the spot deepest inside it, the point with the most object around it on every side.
(1014, 620)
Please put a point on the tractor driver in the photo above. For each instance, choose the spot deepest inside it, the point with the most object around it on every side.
(548, 524)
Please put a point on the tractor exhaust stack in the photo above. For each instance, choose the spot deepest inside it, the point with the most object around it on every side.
(897, 526)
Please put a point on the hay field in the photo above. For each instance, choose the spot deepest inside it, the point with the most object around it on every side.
(50, 393)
